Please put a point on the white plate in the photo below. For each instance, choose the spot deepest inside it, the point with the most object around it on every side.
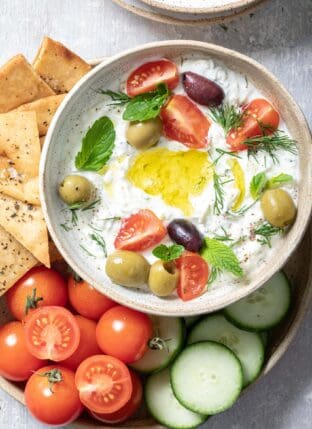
(200, 6)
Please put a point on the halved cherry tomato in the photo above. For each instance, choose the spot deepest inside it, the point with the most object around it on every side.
(260, 118)
(127, 410)
(51, 333)
(146, 77)
(16, 363)
(87, 345)
(185, 122)
(140, 231)
(194, 274)
(86, 300)
(52, 397)
(124, 333)
(39, 287)
(104, 384)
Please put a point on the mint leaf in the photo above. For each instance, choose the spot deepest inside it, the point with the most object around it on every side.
(279, 180)
(97, 145)
(257, 185)
(146, 106)
(221, 257)
(168, 253)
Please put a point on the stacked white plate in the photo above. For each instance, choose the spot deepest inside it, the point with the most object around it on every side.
(192, 12)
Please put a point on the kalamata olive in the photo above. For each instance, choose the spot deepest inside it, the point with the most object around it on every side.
(75, 189)
(163, 278)
(278, 207)
(127, 268)
(202, 90)
(184, 232)
(143, 135)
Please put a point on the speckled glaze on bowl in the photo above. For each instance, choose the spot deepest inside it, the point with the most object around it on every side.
(81, 97)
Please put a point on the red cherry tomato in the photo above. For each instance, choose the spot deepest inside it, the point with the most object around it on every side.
(124, 333)
(87, 345)
(259, 118)
(104, 384)
(86, 300)
(194, 274)
(185, 122)
(146, 77)
(51, 333)
(39, 287)
(140, 231)
(127, 410)
(16, 363)
(52, 397)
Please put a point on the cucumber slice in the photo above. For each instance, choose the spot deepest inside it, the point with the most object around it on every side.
(207, 377)
(190, 321)
(163, 405)
(264, 337)
(263, 309)
(247, 346)
(172, 331)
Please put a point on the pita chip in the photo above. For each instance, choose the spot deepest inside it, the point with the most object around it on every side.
(15, 261)
(58, 66)
(45, 109)
(26, 224)
(19, 156)
(20, 84)
(42, 139)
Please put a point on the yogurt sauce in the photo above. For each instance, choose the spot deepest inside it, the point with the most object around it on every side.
(119, 198)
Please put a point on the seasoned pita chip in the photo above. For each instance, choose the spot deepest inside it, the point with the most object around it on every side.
(15, 261)
(20, 84)
(19, 156)
(45, 109)
(25, 222)
(42, 139)
(59, 66)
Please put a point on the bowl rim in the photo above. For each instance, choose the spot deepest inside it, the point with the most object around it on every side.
(200, 307)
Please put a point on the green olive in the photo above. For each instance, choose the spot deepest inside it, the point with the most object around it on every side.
(143, 135)
(278, 207)
(75, 189)
(127, 268)
(163, 278)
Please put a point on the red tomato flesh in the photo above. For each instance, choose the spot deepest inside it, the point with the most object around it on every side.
(185, 122)
(146, 77)
(140, 231)
(194, 274)
(52, 333)
(104, 384)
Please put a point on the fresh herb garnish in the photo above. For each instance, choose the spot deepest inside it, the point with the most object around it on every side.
(242, 210)
(257, 185)
(221, 257)
(97, 146)
(99, 241)
(87, 251)
(73, 210)
(214, 272)
(226, 152)
(143, 106)
(168, 253)
(266, 232)
(279, 180)
(219, 194)
(225, 237)
(65, 227)
(90, 206)
(227, 116)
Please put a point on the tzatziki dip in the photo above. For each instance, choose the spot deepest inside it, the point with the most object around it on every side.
(186, 178)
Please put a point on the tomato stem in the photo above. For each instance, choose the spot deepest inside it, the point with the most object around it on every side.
(158, 343)
(32, 301)
(54, 376)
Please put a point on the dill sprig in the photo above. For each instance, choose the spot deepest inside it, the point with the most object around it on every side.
(219, 194)
(270, 144)
(99, 240)
(225, 237)
(214, 272)
(242, 210)
(227, 116)
(87, 251)
(227, 152)
(266, 232)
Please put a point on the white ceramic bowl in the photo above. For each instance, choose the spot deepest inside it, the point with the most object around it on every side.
(52, 169)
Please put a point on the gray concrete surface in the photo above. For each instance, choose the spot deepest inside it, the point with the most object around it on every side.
(279, 35)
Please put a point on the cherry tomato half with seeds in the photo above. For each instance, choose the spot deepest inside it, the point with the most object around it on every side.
(185, 122)
(16, 363)
(39, 287)
(51, 333)
(194, 274)
(52, 397)
(124, 333)
(146, 77)
(104, 384)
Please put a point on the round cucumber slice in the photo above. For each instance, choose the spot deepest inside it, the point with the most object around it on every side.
(247, 346)
(207, 378)
(163, 405)
(263, 309)
(169, 335)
